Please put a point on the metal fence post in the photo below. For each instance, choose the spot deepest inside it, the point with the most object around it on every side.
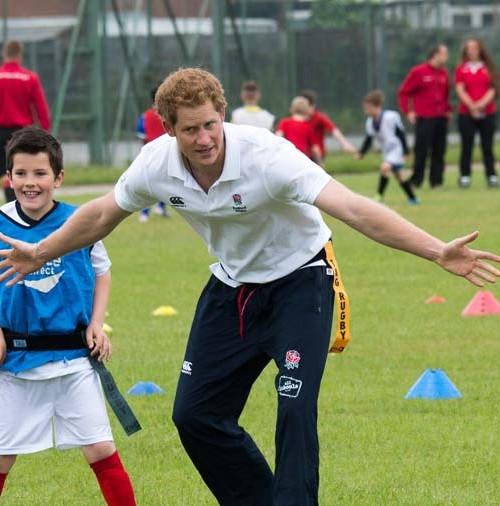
(218, 37)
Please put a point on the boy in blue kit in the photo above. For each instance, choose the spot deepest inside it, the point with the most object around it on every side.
(44, 323)
(386, 127)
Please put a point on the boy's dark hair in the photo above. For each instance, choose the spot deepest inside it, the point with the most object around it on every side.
(250, 87)
(310, 95)
(33, 140)
(375, 97)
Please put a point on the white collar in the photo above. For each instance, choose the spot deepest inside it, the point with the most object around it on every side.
(474, 66)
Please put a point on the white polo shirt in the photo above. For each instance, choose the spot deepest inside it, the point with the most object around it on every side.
(257, 218)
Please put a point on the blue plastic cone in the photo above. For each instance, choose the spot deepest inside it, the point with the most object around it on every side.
(145, 388)
(433, 384)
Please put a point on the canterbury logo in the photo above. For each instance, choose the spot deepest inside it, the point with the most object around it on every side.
(177, 202)
(187, 367)
(44, 285)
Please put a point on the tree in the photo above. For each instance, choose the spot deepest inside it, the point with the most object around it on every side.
(335, 13)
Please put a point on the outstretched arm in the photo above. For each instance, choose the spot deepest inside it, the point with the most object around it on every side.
(367, 144)
(386, 227)
(346, 145)
(87, 225)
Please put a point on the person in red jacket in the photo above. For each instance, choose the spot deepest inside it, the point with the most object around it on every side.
(424, 100)
(150, 127)
(477, 85)
(22, 102)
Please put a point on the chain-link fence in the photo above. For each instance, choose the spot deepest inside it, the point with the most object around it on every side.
(341, 49)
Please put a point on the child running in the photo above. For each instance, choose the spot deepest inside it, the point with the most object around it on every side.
(386, 127)
(47, 321)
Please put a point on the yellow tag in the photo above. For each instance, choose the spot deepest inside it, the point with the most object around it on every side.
(343, 310)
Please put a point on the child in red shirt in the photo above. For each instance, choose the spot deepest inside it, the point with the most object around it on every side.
(322, 126)
(298, 130)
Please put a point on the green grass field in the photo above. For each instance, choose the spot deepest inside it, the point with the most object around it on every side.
(376, 447)
(344, 163)
(336, 163)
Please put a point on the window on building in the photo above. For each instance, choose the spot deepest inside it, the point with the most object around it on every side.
(462, 20)
(488, 19)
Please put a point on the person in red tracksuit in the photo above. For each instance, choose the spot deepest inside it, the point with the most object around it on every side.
(477, 84)
(22, 102)
(424, 100)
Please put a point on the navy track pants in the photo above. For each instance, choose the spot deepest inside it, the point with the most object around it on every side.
(235, 333)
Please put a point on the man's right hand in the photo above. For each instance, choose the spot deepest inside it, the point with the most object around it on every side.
(22, 259)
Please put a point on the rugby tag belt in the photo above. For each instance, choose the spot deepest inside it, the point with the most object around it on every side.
(115, 399)
(343, 310)
(76, 341)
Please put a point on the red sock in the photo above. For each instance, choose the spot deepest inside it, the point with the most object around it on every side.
(114, 481)
(3, 477)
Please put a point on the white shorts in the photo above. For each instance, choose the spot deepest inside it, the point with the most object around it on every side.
(66, 412)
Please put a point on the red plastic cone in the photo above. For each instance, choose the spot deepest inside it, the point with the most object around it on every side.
(483, 303)
(435, 299)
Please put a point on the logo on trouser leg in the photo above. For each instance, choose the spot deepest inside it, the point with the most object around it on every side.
(187, 367)
(289, 387)
(292, 359)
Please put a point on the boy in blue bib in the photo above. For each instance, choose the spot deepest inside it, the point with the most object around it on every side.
(48, 323)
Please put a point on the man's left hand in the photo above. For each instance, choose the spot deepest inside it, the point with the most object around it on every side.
(460, 260)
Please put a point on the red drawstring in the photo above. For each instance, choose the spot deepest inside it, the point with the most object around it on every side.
(242, 304)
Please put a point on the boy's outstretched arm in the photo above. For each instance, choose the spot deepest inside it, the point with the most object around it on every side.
(387, 227)
(87, 225)
(97, 340)
(346, 145)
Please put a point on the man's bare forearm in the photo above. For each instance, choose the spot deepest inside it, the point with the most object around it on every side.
(387, 227)
(378, 222)
(87, 225)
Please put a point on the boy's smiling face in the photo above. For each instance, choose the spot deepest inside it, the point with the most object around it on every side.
(33, 182)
